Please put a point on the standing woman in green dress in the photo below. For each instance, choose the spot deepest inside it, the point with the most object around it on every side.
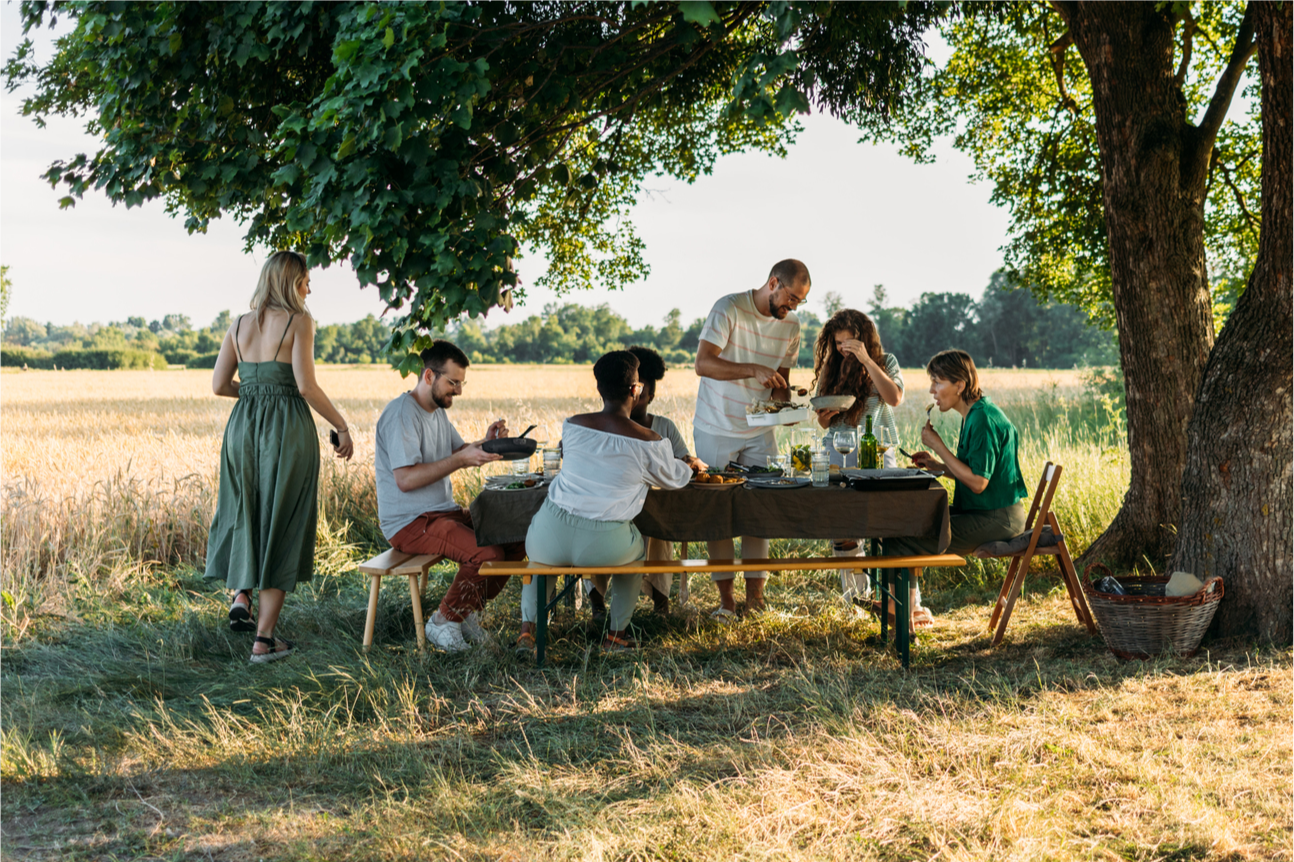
(263, 535)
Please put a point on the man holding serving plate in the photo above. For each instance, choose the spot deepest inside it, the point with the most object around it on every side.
(747, 349)
(417, 450)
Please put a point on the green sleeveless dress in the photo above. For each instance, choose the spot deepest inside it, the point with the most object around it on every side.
(263, 534)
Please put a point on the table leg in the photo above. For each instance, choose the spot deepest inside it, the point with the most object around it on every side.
(541, 619)
(902, 614)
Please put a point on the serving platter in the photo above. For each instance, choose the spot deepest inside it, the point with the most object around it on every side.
(782, 417)
(731, 480)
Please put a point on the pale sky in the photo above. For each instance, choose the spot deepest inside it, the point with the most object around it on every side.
(856, 214)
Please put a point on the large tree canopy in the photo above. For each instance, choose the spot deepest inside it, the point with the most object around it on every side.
(425, 143)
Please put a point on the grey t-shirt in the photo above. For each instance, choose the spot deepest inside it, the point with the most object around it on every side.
(408, 435)
(667, 429)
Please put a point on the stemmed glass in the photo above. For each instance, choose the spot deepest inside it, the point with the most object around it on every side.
(886, 441)
(845, 440)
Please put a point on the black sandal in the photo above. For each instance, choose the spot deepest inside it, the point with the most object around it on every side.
(276, 652)
(240, 617)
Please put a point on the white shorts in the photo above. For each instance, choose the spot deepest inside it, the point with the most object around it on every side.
(717, 450)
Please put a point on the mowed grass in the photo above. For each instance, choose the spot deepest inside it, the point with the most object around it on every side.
(134, 728)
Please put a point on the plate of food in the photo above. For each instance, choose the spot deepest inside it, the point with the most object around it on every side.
(779, 482)
(776, 413)
(506, 482)
(717, 481)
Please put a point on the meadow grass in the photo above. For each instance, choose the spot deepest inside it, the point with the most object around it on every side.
(133, 727)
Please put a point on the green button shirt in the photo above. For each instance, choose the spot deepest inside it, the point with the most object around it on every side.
(989, 445)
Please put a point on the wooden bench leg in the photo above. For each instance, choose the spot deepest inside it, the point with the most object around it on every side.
(416, 598)
(375, 585)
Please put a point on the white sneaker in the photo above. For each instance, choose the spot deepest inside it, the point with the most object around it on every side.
(472, 629)
(445, 634)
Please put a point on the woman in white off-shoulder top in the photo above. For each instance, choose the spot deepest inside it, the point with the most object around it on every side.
(608, 463)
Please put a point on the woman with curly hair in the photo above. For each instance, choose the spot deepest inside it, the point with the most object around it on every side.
(848, 360)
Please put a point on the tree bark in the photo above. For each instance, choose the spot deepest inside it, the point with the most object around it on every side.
(1154, 174)
(1237, 497)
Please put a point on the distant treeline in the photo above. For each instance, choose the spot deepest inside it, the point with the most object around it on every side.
(1005, 328)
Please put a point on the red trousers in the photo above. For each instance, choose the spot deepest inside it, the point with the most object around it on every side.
(450, 535)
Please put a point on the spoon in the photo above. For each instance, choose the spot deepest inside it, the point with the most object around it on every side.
(929, 407)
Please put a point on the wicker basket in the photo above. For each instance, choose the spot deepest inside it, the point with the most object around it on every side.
(1145, 622)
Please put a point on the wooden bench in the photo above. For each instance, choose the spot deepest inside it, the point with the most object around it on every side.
(393, 562)
(527, 570)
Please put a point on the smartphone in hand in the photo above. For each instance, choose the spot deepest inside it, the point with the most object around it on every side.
(334, 438)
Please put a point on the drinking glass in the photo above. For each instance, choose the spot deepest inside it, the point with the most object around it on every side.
(845, 440)
(521, 466)
(821, 469)
(886, 443)
(552, 461)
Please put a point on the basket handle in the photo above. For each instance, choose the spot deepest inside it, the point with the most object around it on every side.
(1100, 568)
(1208, 586)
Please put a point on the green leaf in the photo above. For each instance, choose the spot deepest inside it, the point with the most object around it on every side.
(66, 202)
(389, 39)
(699, 12)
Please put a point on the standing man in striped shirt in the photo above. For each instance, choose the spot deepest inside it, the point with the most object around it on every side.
(748, 347)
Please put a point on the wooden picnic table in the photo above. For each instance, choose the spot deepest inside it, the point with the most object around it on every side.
(703, 514)
(695, 514)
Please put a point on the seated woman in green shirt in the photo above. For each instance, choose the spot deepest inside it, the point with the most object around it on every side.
(988, 488)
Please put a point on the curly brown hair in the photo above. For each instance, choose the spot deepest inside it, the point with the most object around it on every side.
(836, 374)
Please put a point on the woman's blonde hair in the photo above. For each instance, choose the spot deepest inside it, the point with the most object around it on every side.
(957, 366)
(277, 287)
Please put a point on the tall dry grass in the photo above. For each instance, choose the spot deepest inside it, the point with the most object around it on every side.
(108, 476)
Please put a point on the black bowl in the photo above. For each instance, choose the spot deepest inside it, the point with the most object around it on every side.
(510, 448)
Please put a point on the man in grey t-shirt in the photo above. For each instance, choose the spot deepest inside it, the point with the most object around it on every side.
(417, 450)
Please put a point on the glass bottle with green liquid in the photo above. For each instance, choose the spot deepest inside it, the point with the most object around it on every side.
(867, 451)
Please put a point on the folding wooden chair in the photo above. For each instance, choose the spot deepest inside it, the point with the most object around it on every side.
(1040, 515)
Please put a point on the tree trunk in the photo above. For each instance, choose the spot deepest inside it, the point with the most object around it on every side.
(1237, 502)
(1154, 185)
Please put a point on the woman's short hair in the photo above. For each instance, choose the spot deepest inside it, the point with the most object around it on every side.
(957, 366)
(651, 368)
(616, 373)
(277, 287)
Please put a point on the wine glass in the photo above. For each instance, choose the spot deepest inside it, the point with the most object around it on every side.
(844, 441)
(886, 441)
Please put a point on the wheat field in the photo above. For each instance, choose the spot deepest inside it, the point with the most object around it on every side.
(131, 726)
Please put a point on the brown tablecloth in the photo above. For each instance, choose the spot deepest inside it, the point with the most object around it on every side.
(698, 515)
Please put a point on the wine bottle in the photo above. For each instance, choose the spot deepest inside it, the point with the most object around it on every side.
(867, 449)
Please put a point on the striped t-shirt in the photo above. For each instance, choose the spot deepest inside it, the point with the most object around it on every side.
(742, 335)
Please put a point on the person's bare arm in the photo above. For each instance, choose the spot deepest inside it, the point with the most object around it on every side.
(886, 388)
(710, 364)
(303, 369)
(958, 469)
(417, 476)
(222, 379)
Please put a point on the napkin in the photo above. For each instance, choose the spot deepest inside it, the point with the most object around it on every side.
(1183, 584)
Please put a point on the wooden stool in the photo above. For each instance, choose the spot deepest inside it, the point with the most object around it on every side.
(393, 562)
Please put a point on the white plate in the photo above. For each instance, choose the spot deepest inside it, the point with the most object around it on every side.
(784, 417)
